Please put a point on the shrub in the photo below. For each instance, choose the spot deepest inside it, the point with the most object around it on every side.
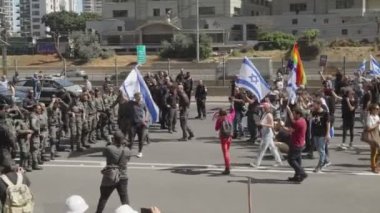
(105, 54)
(275, 41)
(184, 46)
(309, 45)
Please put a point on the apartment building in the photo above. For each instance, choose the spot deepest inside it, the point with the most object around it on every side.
(32, 11)
(130, 22)
(9, 13)
(229, 22)
(93, 6)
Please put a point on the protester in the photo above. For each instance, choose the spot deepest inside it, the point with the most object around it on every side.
(320, 126)
(297, 143)
(139, 123)
(184, 104)
(267, 124)
(224, 126)
(200, 97)
(239, 113)
(371, 128)
(115, 173)
(349, 105)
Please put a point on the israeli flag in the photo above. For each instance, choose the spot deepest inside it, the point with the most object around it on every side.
(135, 83)
(374, 66)
(292, 87)
(362, 67)
(250, 79)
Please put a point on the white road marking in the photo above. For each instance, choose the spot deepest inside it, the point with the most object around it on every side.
(202, 168)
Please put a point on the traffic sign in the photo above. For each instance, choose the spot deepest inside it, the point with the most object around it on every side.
(141, 54)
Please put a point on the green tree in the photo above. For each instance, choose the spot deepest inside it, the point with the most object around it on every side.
(275, 41)
(184, 46)
(87, 47)
(62, 23)
(309, 45)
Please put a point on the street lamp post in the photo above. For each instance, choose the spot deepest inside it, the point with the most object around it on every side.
(197, 7)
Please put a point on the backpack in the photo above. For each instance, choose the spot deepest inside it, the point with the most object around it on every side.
(226, 129)
(19, 198)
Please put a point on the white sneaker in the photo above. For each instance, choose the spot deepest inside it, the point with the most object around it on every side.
(317, 170)
(140, 155)
(278, 164)
(327, 164)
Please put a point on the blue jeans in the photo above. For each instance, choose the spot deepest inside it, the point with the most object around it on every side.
(321, 144)
(238, 127)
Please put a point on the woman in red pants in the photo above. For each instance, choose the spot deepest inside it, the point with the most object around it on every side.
(224, 126)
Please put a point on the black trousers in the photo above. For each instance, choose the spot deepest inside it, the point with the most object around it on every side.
(348, 124)
(295, 161)
(252, 127)
(201, 107)
(140, 131)
(164, 117)
(106, 191)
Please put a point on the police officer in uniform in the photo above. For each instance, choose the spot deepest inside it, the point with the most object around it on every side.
(55, 125)
(184, 104)
(172, 102)
(24, 135)
(91, 105)
(44, 154)
(35, 141)
(200, 97)
(76, 124)
(101, 115)
(86, 122)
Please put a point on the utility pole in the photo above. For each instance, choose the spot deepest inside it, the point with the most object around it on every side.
(197, 7)
(4, 38)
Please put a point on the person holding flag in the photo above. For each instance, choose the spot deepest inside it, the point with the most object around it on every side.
(250, 79)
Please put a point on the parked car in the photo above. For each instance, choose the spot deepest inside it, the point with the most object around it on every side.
(76, 72)
(50, 86)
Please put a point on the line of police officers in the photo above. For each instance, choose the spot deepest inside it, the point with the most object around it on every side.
(35, 131)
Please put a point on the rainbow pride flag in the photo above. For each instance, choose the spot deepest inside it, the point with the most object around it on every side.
(295, 63)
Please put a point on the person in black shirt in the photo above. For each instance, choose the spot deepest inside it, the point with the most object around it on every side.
(29, 102)
(253, 117)
(200, 96)
(188, 85)
(239, 104)
(320, 131)
(366, 101)
(348, 114)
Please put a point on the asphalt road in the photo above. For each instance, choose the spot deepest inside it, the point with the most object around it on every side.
(184, 177)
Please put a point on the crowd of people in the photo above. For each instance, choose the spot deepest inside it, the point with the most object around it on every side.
(36, 131)
(305, 124)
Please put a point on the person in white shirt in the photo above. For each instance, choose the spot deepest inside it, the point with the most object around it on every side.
(88, 84)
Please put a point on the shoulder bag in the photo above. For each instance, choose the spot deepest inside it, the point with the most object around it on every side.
(111, 174)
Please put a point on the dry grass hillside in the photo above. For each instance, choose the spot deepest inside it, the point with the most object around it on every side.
(334, 54)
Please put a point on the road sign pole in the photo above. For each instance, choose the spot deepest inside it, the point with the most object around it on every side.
(249, 195)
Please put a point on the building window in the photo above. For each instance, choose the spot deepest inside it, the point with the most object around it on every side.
(206, 11)
(36, 33)
(168, 11)
(294, 32)
(257, 13)
(156, 12)
(36, 19)
(344, 4)
(326, 20)
(119, 28)
(344, 32)
(252, 32)
(35, 13)
(120, 13)
(236, 11)
(35, 6)
(298, 7)
(252, 13)
(294, 21)
(314, 20)
(205, 26)
(36, 27)
(359, 32)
